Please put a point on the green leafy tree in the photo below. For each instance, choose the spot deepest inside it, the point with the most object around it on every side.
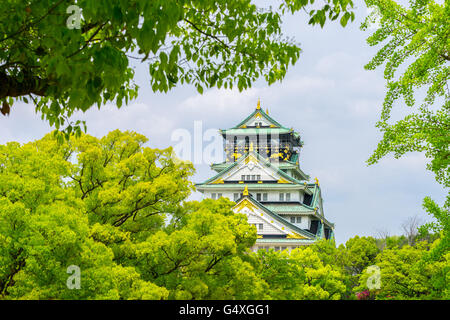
(115, 209)
(441, 227)
(416, 54)
(299, 275)
(359, 253)
(44, 229)
(396, 241)
(404, 275)
(202, 257)
(66, 60)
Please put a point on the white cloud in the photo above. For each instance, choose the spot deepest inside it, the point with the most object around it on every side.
(221, 101)
(304, 84)
(411, 161)
(362, 108)
(336, 62)
(22, 125)
(138, 117)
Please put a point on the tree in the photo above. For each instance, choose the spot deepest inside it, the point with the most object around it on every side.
(359, 253)
(416, 42)
(440, 227)
(416, 55)
(381, 237)
(405, 276)
(299, 275)
(396, 241)
(115, 209)
(410, 227)
(66, 59)
(44, 229)
(202, 257)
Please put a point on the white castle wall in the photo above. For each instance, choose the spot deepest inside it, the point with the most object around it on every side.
(267, 228)
(296, 195)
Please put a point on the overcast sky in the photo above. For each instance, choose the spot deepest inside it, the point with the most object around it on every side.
(327, 97)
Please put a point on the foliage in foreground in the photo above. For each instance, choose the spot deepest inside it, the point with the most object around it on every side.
(117, 210)
(415, 53)
(68, 55)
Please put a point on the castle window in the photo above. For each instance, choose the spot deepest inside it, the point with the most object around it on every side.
(253, 177)
(281, 196)
(258, 196)
(292, 219)
(288, 197)
(264, 196)
(219, 195)
(236, 196)
(260, 226)
(213, 196)
(243, 177)
(258, 177)
(299, 219)
(307, 199)
(248, 177)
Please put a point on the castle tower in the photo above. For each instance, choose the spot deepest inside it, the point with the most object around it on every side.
(262, 175)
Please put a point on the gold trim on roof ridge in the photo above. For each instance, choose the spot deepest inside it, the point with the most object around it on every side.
(282, 180)
(295, 235)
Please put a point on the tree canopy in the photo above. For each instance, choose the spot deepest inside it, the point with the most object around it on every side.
(415, 53)
(67, 56)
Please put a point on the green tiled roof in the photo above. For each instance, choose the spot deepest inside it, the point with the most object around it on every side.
(278, 218)
(286, 164)
(263, 161)
(303, 208)
(221, 166)
(255, 131)
(264, 114)
(294, 158)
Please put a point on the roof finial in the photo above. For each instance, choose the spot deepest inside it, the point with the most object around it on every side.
(317, 180)
(267, 111)
(258, 106)
(251, 147)
(245, 193)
